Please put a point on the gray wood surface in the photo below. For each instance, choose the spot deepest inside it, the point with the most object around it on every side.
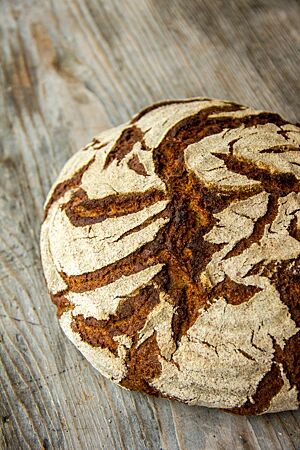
(70, 68)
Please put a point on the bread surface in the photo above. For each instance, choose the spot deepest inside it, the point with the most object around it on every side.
(170, 246)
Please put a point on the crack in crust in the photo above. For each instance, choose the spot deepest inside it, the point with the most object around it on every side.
(276, 183)
(124, 144)
(289, 358)
(62, 303)
(66, 185)
(259, 228)
(150, 108)
(82, 211)
(234, 293)
(135, 164)
(182, 247)
(267, 388)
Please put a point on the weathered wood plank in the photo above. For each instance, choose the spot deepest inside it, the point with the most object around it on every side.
(68, 70)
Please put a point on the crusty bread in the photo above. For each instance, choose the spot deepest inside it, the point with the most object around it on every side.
(170, 246)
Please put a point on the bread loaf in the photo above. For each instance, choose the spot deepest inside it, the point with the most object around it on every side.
(170, 247)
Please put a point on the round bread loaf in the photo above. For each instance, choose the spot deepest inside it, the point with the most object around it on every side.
(170, 246)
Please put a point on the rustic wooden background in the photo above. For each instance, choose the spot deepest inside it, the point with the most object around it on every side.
(70, 68)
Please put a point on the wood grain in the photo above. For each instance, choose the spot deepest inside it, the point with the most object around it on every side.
(69, 69)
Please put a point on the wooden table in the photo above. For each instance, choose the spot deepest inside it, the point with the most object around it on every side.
(69, 69)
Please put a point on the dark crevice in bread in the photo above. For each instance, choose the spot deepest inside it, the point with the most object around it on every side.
(161, 215)
(83, 211)
(286, 278)
(91, 332)
(267, 388)
(289, 358)
(66, 185)
(280, 184)
(194, 128)
(234, 293)
(294, 230)
(129, 318)
(143, 366)
(61, 302)
(281, 149)
(135, 164)
(156, 105)
(124, 144)
(258, 228)
(129, 265)
(95, 144)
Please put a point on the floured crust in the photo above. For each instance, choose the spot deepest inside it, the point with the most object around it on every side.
(171, 247)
